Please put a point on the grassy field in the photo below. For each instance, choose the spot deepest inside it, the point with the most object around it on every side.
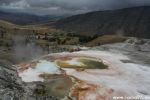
(106, 39)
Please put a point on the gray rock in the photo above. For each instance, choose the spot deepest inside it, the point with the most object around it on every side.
(11, 86)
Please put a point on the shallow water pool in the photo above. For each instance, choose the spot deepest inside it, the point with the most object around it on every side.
(81, 62)
(32, 73)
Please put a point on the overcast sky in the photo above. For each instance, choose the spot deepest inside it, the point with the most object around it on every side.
(59, 7)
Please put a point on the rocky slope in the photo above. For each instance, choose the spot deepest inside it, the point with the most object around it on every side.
(11, 86)
(129, 22)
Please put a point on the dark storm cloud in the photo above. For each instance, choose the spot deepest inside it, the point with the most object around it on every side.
(7, 1)
(67, 6)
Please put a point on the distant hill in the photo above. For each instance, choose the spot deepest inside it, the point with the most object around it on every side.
(7, 25)
(24, 18)
(129, 22)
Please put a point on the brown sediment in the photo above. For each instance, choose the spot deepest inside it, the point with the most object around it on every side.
(45, 76)
(80, 69)
(59, 88)
(24, 66)
(83, 91)
(80, 88)
(33, 64)
(51, 76)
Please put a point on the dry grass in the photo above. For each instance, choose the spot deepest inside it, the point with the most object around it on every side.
(42, 43)
(7, 24)
(106, 39)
